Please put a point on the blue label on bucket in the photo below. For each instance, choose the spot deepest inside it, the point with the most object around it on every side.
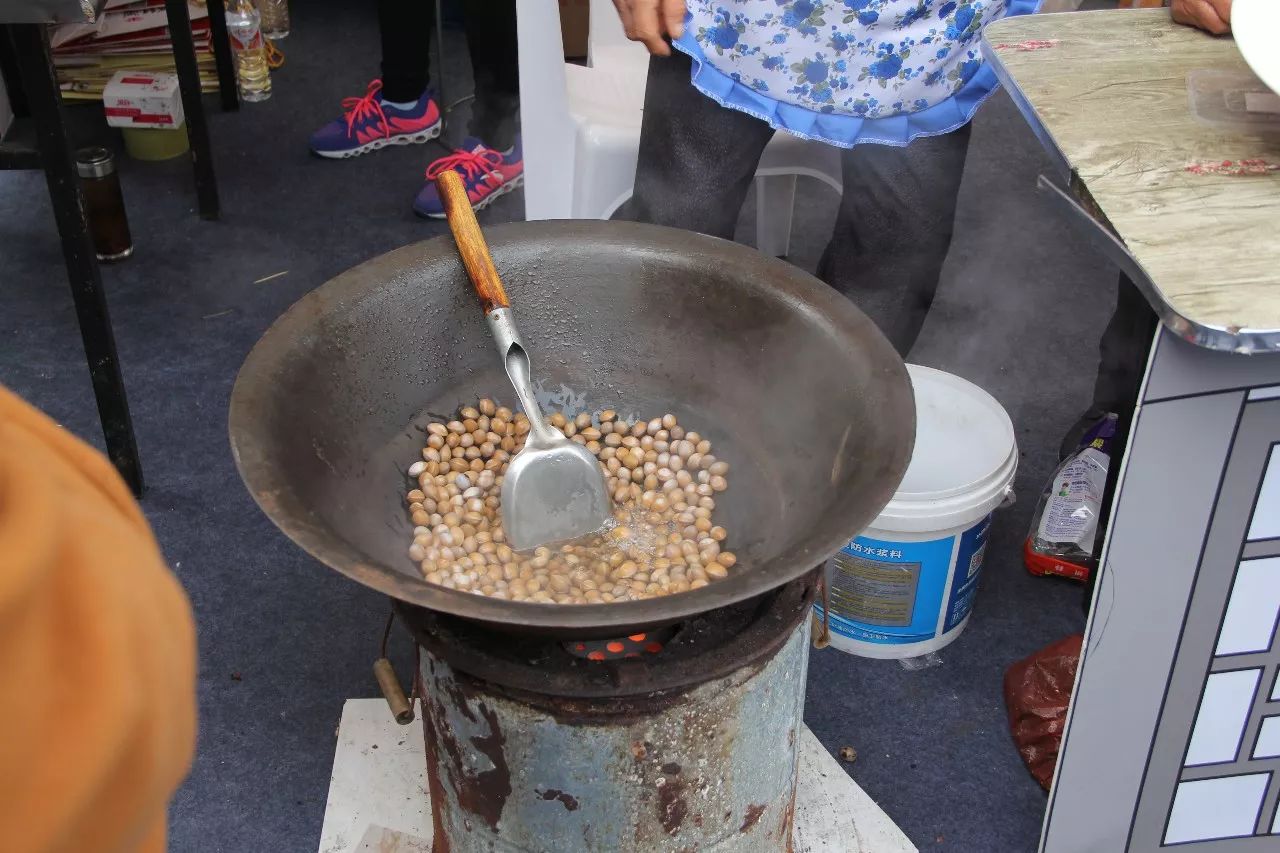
(973, 548)
(892, 592)
(889, 592)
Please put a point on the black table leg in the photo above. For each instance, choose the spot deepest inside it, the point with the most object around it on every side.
(31, 46)
(222, 56)
(441, 93)
(184, 58)
(1126, 346)
(9, 75)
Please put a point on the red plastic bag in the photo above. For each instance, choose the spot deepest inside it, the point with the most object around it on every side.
(1037, 690)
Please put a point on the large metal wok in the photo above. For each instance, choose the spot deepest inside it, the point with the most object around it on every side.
(794, 386)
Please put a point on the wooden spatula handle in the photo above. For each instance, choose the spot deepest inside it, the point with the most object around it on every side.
(471, 245)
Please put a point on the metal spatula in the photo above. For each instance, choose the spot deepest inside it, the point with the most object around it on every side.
(553, 489)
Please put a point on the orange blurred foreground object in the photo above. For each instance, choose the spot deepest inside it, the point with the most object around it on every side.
(97, 651)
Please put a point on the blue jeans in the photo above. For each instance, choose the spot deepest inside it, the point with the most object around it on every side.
(892, 232)
(894, 226)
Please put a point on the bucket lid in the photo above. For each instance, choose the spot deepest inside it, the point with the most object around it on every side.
(965, 454)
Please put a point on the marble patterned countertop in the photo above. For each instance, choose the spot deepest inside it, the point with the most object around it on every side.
(1197, 204)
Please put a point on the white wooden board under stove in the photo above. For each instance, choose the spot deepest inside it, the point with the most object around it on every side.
(378, 801)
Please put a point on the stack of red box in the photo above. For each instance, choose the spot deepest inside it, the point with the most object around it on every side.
(129, 34)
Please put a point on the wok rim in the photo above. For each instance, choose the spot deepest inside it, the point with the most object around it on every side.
(264, 479)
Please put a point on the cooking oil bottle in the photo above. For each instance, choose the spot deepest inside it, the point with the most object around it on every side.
(243, 26)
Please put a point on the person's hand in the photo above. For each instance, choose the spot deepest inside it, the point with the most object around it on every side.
(648, 21)
(1210, 15)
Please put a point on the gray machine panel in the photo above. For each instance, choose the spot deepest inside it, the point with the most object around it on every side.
(1180, 368)
(1139, 601)
(1210, 773)
(1173, 738)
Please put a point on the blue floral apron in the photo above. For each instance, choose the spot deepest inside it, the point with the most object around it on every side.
(846, 71)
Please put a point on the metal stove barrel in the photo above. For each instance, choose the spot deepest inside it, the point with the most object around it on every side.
(708, 766)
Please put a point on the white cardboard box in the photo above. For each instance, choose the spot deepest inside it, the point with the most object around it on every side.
(143, 99)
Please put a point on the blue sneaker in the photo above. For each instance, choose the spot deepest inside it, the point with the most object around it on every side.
(368, 124)
(486, 173)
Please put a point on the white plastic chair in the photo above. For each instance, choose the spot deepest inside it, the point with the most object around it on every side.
(581, 128)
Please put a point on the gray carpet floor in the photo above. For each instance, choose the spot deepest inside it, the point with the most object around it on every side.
(283, 641)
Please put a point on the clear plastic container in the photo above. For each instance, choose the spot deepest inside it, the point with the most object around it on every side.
(275, 18)
(1233, 100)
(243, 27)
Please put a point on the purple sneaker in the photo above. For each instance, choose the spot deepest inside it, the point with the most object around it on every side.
(486, 173)
(368, 124)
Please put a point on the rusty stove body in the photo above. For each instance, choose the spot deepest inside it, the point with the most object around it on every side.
(532, 747)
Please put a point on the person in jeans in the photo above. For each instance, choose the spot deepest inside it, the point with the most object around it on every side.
(893, 83)
(400, 108)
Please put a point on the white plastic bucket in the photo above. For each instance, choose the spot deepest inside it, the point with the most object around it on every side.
(906, 586)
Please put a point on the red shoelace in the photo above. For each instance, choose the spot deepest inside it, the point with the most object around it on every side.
(472, 164)
(358, 109)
